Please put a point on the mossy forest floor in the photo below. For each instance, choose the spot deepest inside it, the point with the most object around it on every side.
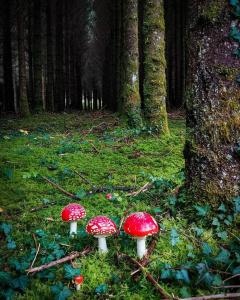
(105, 152)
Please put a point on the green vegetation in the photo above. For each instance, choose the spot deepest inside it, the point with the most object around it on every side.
(189, 256)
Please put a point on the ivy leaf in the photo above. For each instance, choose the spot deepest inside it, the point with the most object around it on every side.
(222, 208)
(64, 294)
(206, 249)
(236, 270)
(202, 211)
(20, 282)
(184, 292)
(235, 34)
(81, 194)
(223, 256)
(71, 272)
(234, 2)
(174, 237)
(182, 275)
(215, 222)
(172, 200)
(40, 233)
(166, 273)
(222, 235)
(6, 228)
(101, 289)
(8, 294)
(236, 201)
(11, 244)
(5, 277)
(199, 231)
(217, 280)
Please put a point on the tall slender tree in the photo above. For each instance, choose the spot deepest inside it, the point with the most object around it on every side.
(59, 64)
(23, 100)
(37, 56)
(213, 107)
(50, 66)
(131, 102)
(7, 58)
(154, 82)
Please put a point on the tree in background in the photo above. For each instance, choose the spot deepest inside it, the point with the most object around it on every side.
(23, 99)
(7, 58)
(154, 65)
(130, 97)
(212, 102)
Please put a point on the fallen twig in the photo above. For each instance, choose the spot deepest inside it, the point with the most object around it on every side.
(232, 277)
(58, 187)
(160, 289)
(35, 257)
(54, 263)
(84, 178)
(42, 207)
(111, 188)
(218, 296)
(143, 189)
(227, 287)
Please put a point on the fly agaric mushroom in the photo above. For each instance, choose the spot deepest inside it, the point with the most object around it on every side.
(101, 227)
(140, 225)
(72, 213)
(78, 280)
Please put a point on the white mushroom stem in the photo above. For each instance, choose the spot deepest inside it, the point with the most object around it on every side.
(102, 244)
(78, 286)
(141, 247)
(73, 228)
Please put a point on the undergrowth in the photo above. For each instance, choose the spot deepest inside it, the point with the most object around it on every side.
(196, 250)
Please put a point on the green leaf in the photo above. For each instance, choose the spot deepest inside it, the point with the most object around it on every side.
(6, 228)
(199, 231)
(81, 194)
(5, 277)
(40, 233)
(20, 282)
(234, 2)
(166, 273)
(215, 222)
(185, 292)
(236, 270)
(101, 289)
(71, 272)
(235, 34)
(206, 249)
(172, 200)
(222, 208)
(217, 280)
(64, 294)
(174, 237)
(223, 256)
(222, 235)
(202, 211)
(11, 244)
(182, 275)
(237, 204)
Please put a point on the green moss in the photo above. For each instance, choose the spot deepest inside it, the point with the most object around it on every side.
(212, 10)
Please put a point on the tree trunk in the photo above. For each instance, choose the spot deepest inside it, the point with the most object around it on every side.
(37, 57)
(130, 86)
(30, 55)
(213, 108)
(154, 83)
(67, 44)
(7, 59)
(23, 100)
(50, 71)
(59, 84)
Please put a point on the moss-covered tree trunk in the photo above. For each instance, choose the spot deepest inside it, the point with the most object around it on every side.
(213, 105)
(37, 57)
(131, 103)
(23, 100)
(154, 83)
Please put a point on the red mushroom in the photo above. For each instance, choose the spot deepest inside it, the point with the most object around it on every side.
(78, 280)
(140, 225)
(72, 213)
(101, 227)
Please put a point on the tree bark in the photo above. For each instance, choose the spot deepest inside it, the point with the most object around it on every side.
(23, 100)
(7, 59)
(130, 86)
(59, 77)
(50, 68)
(212, 103)
(154, 83)
(37, 57)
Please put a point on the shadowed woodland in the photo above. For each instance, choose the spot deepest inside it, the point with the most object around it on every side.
(121, 107)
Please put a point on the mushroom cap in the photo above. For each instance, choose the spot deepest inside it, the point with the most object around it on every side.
(140, 224)
(78, 279)
(101, 225)
(73, 212)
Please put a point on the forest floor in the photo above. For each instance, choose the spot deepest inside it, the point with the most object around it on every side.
(91, 155)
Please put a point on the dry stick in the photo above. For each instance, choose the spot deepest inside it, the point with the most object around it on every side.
(141, 190)
(145, 260)
(84, 178)
(54, 263)
(218, 296)
(229, 278)
(161, 291)
(227, 287)
(58, 187)
(38, 249)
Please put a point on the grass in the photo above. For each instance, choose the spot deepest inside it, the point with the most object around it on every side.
(107, 153)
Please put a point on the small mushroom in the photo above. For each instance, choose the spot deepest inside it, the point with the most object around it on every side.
(78, 280)
(72, 213)
(140, 225)
(101, 227)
